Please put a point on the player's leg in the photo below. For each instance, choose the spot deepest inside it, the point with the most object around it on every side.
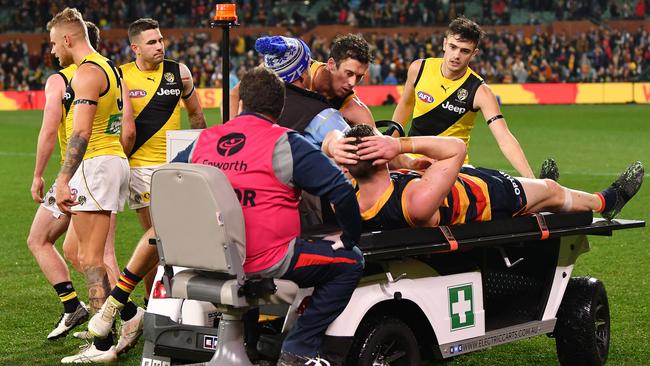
(145, 222)
(71, 249)
(139, 191)
(92, 229)
(46, 229)
(548, 195)
(102, 184)
(144, 217)
(110, 260)
(143, 260)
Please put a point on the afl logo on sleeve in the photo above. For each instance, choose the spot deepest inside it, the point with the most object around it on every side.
(231, 144)
(137, 93)
(425, 97)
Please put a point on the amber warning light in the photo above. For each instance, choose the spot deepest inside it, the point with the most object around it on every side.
(226, 12)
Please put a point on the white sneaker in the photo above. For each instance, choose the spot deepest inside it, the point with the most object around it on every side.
(69, 321)
(130, 332)
(90, 354)
(102, 322)
(84, 334)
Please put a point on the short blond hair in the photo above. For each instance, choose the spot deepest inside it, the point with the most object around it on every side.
(68, 17)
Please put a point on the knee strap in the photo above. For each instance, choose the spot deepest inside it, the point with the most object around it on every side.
(568, 200)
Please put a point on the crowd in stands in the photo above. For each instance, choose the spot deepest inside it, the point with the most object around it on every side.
(598, 56)
(32, 15)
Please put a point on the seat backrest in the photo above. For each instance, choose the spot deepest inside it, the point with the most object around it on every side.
(197, 218)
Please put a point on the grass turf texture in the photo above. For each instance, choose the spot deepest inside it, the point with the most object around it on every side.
(591, 144)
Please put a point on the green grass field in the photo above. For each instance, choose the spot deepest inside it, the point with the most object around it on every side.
(591, 144)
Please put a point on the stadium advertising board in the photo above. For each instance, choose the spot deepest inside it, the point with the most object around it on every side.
(373, 95)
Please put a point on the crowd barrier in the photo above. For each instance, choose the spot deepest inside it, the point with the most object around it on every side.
(373, 95)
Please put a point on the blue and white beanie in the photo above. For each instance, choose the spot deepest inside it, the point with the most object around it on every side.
(287, 57)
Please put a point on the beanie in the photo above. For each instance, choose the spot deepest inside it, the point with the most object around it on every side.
(287, 57)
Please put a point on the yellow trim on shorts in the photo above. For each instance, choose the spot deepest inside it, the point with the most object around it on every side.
(83, 174)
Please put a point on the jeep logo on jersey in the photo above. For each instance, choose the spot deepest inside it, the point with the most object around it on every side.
(231, 144)
(169, 77)
(450, 107)
(175, 92)
(425, 97)
(461, 306)
(137, 93)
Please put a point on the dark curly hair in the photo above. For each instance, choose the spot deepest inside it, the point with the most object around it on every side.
(466, 29)
(350, 46)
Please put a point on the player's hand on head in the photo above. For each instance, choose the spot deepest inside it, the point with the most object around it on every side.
(65, 199)
(343, 151)
(381, 149)
(37, 189)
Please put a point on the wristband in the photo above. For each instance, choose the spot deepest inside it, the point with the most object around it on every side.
(406, 145)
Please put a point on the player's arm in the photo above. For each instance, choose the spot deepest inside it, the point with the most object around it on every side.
(487, 103)
(54, 90)
(191, 99)
(127, 139)
(423, 196)
(234, 102)
(89, 80)
(356, 112)
(404, 109)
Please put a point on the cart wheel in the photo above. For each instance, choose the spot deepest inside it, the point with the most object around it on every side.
(392, 126)
(582, 328)
(383, 342)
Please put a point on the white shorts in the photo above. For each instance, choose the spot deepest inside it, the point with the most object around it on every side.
(49, 202)
(140, 186)
(101, 184)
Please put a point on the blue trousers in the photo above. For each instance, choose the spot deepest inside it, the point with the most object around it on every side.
(334, 274)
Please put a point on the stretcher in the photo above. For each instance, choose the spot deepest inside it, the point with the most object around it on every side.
(426, 292)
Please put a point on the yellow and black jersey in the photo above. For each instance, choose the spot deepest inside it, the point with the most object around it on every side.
(444, 107)
(66, 103)
(389, 211)
(478, 194)
(155, 96)
(107, 123)
(336, 102)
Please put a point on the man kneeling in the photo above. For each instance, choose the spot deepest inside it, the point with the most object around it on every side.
(447, 193)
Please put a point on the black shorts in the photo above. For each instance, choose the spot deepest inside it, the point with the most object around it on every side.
(507, 196)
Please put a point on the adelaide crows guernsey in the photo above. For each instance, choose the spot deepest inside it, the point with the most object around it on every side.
(155, 96)
(444, 107)
(68, 97)
(107, 122)
(336, 102)
(389, 212)
(478, 194)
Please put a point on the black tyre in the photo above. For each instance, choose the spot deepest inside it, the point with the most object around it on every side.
(391, 126)
(582, 329)
(383, 342)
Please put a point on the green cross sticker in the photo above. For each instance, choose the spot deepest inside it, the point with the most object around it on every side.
(461, 306)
